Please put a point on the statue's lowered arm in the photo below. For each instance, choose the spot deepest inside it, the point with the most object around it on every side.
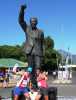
(42, 43)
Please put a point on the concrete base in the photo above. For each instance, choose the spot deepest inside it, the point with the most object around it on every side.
(62, 81)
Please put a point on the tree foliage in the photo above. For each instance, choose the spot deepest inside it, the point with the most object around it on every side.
(12, 52)
(51, 56)
(49, 42)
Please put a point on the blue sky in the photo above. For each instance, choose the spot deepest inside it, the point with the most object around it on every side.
(57, 18)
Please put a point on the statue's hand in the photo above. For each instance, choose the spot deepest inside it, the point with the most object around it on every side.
(23, 7)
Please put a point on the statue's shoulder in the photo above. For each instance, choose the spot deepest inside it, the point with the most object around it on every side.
(41, 31)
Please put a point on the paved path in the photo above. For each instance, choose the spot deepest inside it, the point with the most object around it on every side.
(59, 98)
(63, 90)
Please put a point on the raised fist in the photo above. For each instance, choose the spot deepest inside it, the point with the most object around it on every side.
(23, 7)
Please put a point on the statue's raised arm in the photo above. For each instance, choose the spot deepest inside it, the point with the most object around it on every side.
(21, 18)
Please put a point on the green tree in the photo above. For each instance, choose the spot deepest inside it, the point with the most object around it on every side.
(49, 42)
(52, 57)
(12, 52)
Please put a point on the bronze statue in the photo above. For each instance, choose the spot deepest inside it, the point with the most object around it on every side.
(34, 40)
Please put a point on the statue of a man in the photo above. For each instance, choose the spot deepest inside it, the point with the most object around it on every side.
(34, 40)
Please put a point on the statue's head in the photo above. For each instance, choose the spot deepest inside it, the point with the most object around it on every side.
(33, 22)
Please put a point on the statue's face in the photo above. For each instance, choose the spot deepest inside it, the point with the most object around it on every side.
(33, 22)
